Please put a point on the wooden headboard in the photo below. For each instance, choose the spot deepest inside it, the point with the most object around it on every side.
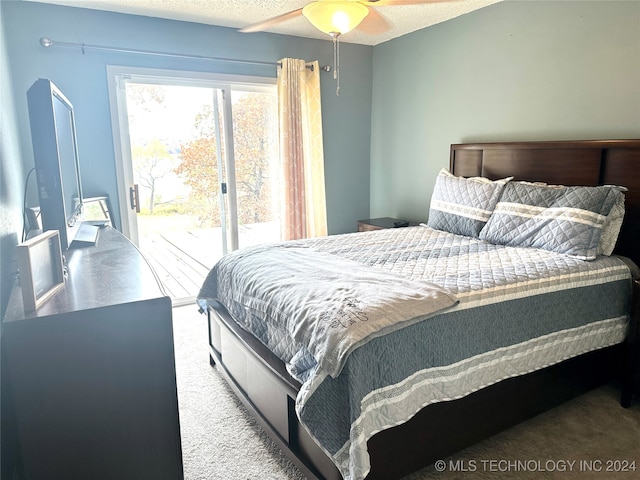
(583, 162)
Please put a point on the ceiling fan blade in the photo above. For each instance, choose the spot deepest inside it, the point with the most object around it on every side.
(391, 3)
(263, 25)
(373, 24)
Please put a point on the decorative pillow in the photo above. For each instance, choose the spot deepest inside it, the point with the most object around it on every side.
(561, 219)
(612, 224)
(463, 205)
(611, 227)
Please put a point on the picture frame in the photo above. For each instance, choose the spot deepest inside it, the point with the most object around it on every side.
(41, 268)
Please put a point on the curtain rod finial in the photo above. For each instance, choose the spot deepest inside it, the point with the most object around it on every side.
(46, 42)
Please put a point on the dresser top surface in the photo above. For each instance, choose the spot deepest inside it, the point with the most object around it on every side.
(109, 273)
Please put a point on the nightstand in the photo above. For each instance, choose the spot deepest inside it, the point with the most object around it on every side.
(381, 223)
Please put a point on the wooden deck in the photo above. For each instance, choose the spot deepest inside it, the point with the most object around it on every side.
(182, 259)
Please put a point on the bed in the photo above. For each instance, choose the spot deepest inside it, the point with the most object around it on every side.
(434, 377)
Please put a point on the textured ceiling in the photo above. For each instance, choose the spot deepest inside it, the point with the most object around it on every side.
(399, 20)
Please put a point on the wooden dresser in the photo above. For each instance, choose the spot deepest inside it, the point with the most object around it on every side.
(91, 373)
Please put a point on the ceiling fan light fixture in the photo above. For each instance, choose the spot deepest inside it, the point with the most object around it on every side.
(335, 16)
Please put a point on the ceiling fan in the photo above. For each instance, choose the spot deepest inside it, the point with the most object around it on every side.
(337, 17)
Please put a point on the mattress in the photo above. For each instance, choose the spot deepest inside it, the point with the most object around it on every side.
(518, 310)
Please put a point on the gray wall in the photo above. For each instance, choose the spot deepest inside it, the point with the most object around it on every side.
(11, 178)
(12, 174)
(346, 119)
(512, 71)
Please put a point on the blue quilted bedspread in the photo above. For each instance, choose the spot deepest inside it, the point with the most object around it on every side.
(519, 310)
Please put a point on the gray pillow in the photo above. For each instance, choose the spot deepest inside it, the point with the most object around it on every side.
(611, 227)
(561, 219)
(463, 205)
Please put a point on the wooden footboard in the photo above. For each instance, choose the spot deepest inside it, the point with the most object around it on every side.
(262, 383)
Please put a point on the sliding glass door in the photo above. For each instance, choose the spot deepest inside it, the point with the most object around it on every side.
(197, 165)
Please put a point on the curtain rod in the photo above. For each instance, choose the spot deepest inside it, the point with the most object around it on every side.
(47, 42)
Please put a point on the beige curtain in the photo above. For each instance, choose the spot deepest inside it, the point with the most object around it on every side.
(302, 155)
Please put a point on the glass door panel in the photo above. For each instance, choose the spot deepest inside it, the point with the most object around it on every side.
(203, 155)
(255, 138)
(176, 144)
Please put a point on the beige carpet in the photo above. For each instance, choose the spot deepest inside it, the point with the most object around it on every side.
(221, 441)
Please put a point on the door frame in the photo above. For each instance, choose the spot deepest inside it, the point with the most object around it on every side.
(116, 74)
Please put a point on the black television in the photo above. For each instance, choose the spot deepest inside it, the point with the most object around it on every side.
(55, 151)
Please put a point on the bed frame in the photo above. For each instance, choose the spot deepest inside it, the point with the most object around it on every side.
(262, 383)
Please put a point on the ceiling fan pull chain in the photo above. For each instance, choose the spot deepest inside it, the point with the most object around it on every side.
(336, 60)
